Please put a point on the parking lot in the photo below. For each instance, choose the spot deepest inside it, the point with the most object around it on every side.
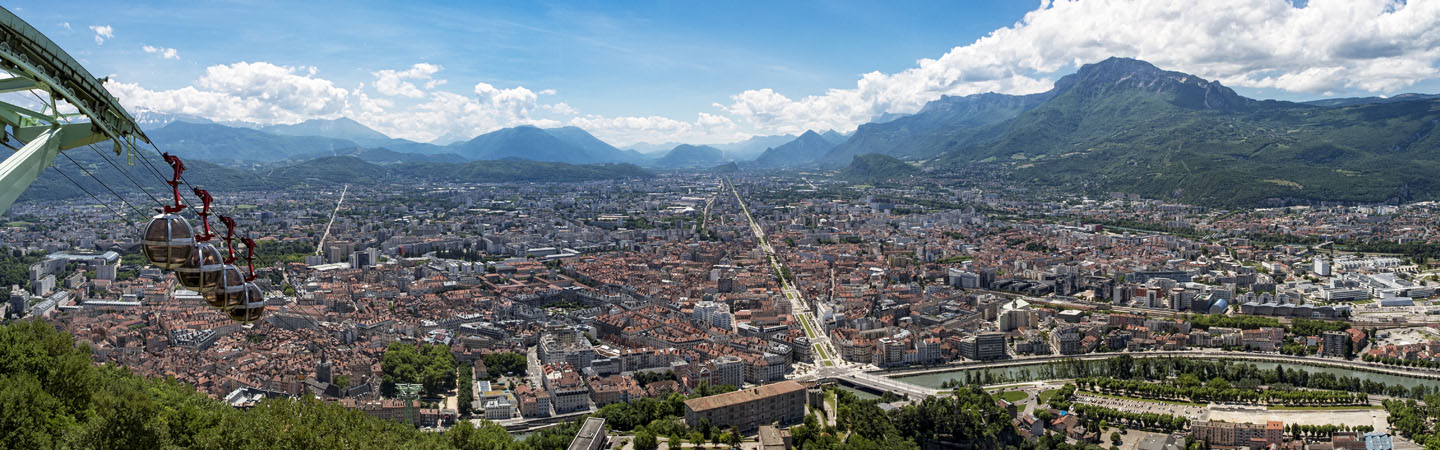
(1252, 414)
(1192, 412)
(1373, 417)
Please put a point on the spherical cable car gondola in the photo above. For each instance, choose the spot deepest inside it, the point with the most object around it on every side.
(201, 272)
(230, 287)
(168, 240)
(32, 62)
(252, 304)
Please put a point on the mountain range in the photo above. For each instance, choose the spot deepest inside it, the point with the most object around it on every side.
(1124, 125)
(569, 144)
(233, 145)
(691, 156)
(342, 128)
(937, 125)
(320, 171)
(1115, 125)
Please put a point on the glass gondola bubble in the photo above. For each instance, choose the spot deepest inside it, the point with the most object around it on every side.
(201, 271)
(252, 306)
(168, 240)
(230, 290)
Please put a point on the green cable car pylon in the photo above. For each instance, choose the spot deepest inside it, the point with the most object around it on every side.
(35, 64)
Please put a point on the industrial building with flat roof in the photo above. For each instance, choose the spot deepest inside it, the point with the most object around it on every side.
(747, 409)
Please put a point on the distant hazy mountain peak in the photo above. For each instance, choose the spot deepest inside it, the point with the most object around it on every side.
(341, 128)
(686, 155)
(803, 150)
(151, 120)
(565, 144)
(452, 137)
(754, 146)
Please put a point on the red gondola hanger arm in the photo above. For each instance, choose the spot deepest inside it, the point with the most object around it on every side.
(179, 167)
(249, 257)
(229, 237)
(204, 214)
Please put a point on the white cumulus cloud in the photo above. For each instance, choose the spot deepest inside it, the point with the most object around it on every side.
(561, 108)
(627, 130)
(164, 52)
(392, 82)
(102, 32)
(257, 92)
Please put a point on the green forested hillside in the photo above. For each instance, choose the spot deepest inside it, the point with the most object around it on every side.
(875, 168)
(1168, 144)
(939, 126)
(1125, 125)
(51, 396)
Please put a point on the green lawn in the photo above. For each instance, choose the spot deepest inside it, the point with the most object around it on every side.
(824, 355)
(809, 332)
(1013, 396)
(1045, 395)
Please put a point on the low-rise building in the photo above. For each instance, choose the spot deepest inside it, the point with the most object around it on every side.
(747, 409)
(1238, 434)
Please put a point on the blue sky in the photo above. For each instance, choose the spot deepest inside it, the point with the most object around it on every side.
(614, 58)
(702, 71)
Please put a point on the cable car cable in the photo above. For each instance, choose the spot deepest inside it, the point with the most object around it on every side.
(6, 143)
(102, 183)
(126, 174)
(102, 155)
(97, 199)
(187, 183)
(134, 150)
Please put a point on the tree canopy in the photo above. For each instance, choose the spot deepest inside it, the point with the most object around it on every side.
(429, 365)
(51, 396)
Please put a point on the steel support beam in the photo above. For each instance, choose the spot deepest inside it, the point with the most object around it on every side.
(72, 135)
(25, 165)
(18, 84)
